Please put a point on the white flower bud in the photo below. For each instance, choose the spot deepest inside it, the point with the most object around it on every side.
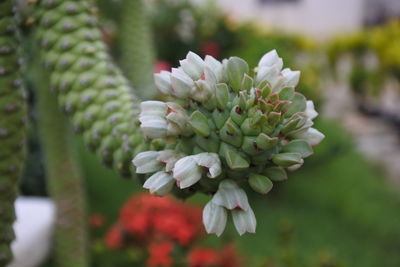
(201, 91)
(272, 75)
(311, 135)
(214, 66)
(291, 77)
(310, 110)
(211, 161)
(160, 183)
(271, 59)
(152, 119)
(244, 221)
(231, 196)
(186, 172)
(181, 83)
(163, 82)
(193, 65)
(177, 120)
(169, 158)
(214, 218)
(146, 162)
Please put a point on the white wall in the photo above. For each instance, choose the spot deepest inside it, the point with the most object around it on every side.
(318, 18)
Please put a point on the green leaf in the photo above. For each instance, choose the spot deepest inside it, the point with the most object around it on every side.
(260, 183)
(276, 174)
(222, 95)
(299, 104)
(287, 159)
(236, 68)
(286, 93)
(247, 82)
(198, 122)
(299, 146)
(265, 142)
(235, 161)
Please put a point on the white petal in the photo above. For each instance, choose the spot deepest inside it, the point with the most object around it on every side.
(146, 162)
(181, 86)
(216, 67)
(271, 58)
(153, 108)
(312, 136)
(169, 158)
(310, 110)
(193, 65)
(214, 218)
(210, 161)
(160, 183)
(291, 77)
(230, 196)
(163, 82)
(153, 126)
(244, 221)
(186, 172)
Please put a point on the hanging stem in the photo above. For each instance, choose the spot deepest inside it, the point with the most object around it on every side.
(137, 48)
(64, 181)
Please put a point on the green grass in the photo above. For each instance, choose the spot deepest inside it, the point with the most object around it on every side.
(338, 202)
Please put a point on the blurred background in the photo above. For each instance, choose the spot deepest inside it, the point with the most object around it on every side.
(343, 207)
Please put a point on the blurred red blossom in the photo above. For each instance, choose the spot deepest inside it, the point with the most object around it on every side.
(160, 254)
(96, 220)
(161, 225)
(113, 237)
(161, 65)
(211, 48)
(207, 257)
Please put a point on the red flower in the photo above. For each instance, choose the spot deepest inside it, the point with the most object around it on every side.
(211, 48)
(96, 220)
(160, 255)
(203, 257)
(161, 65)
(113, 237)
(229, 257)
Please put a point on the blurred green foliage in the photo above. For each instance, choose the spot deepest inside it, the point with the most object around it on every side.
(338, 209)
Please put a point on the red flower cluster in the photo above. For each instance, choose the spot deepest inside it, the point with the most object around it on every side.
(163, 225)
(207, 257)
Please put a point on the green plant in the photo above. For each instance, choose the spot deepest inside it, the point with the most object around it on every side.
(12, 126)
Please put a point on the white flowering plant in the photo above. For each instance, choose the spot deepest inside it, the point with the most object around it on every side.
(226, 125)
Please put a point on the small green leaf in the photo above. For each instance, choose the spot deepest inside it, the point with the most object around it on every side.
(286, 93)
(287, 159)
(222, 95)
(299, 146)
(260, 183)
(265, 142)
(247, 82)
(199, 124)
(236, 68)
(299, 104)
(276, 174)
(235, 161)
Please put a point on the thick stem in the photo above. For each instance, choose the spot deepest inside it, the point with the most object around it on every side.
(137, 48)
(12, 127)
(64, 180)
(91, 89)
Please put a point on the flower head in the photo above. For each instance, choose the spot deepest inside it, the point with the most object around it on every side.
(227, 124)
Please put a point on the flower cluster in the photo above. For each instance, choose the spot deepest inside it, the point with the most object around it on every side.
(145, 218)
(226, 125)
(164, 227)
(207, 257)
